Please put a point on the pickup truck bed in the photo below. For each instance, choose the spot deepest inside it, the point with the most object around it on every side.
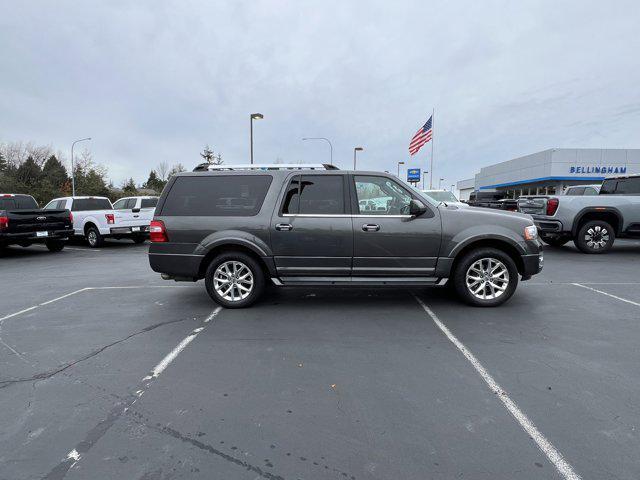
(22, 224)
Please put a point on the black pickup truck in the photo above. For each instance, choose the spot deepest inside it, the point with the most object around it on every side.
(22, 222)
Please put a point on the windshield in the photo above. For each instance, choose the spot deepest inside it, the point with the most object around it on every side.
(443, 196)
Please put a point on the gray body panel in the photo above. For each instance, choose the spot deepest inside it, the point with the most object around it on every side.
(336, 249)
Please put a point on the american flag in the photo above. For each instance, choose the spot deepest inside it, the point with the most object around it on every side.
(421, 137)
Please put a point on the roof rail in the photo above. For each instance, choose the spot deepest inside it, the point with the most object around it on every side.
(207, 167)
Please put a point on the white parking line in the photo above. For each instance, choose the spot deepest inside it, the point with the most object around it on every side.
(28, 309)
(73, 457)
(607, 294)
(554, 456)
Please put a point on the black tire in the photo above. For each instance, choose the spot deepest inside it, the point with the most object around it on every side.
(138, 239)
(509, 281)
(555, 241)
(93, 237)
(595, 236)
(257, 276)
(54, 245)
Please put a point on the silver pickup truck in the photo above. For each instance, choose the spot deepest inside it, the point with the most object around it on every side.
(593, 221)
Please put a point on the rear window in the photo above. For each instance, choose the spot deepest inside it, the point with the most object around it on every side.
(218, 196)
(149, 203)
(86, 204)
(18, 202)
(628, 186)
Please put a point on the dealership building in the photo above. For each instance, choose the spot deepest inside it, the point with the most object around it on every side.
(551, 171)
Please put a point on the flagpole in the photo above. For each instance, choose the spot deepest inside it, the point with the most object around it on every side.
(433, 112)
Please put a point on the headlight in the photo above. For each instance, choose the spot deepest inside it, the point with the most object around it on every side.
(530, 232)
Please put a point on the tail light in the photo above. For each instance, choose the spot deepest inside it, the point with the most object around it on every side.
(157, 232)
(552, 206)
(110, 218)
(4, 222)
(70, 217)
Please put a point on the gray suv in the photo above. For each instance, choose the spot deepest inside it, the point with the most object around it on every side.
(239, 228)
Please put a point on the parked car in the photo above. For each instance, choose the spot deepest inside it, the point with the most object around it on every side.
(629, 185)
(23, 222)
(308, 228)
(582, 190)
(94, 219)
(592, 221)
(487, 199)
(136, 213)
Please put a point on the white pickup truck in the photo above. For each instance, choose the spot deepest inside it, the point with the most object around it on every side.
(95, 218)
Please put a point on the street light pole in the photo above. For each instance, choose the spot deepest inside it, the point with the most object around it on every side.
(326, 140)
(252, 117)
(440, 184)
(399, 163)
(355, 150)
(73, 170)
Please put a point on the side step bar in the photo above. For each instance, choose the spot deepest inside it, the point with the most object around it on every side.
(359, 281)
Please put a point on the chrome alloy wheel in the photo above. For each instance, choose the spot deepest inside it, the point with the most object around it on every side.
(92, 238)
(596, 237)
(487, 278)
(233, 281)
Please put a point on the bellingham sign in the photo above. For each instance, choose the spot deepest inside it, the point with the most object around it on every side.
(598, 169)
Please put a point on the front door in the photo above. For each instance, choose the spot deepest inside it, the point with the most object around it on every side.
(387, 240)
(311, 231)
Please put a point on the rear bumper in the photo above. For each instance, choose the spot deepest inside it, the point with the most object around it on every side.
(31, 237)
(548, 225)
(130, 231)
(178, 265)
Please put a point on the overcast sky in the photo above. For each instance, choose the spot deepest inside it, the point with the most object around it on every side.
(153, 81)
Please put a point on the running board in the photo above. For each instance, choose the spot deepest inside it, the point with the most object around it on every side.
(359, 281)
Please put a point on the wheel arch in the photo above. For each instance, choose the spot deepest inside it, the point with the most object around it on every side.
(611, 215)
(508, 246)
(234, 245)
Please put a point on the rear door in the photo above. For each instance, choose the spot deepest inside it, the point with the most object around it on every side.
(387, 240)
(311, 228)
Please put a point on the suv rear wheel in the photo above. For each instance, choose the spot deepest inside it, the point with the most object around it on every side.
(486, 277)
(234, 280)
(595, 236)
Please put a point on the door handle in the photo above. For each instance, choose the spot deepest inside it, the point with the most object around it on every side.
(284, 227)
(370, 227)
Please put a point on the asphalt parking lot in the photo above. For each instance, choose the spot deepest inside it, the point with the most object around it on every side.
(110, 372)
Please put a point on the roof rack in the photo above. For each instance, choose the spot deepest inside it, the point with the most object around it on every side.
(207, 167)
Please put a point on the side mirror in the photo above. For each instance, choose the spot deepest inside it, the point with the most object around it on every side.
(135, 210)
(416, 208)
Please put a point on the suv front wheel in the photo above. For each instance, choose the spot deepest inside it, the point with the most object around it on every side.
(234, 280)
(486, 277)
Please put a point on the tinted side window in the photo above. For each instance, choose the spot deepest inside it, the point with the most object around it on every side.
(590, 191)
(219, 195)
(628, 186)
(575, 191)
(149, 203)
(87, 204)
(608, 187)
(321, 194)
(120, 204)
(131, 203)
(291, 201)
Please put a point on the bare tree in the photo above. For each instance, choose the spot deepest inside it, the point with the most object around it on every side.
(162, 170)
(211, 158)
(177, 168)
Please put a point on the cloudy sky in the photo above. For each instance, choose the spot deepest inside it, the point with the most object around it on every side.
(155, 81)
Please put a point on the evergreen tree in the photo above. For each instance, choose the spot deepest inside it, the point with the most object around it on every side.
(3, 163)
(29, 172)
(129, 188)
(154, 183)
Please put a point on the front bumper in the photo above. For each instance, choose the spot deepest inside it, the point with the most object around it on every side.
(532, 264)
